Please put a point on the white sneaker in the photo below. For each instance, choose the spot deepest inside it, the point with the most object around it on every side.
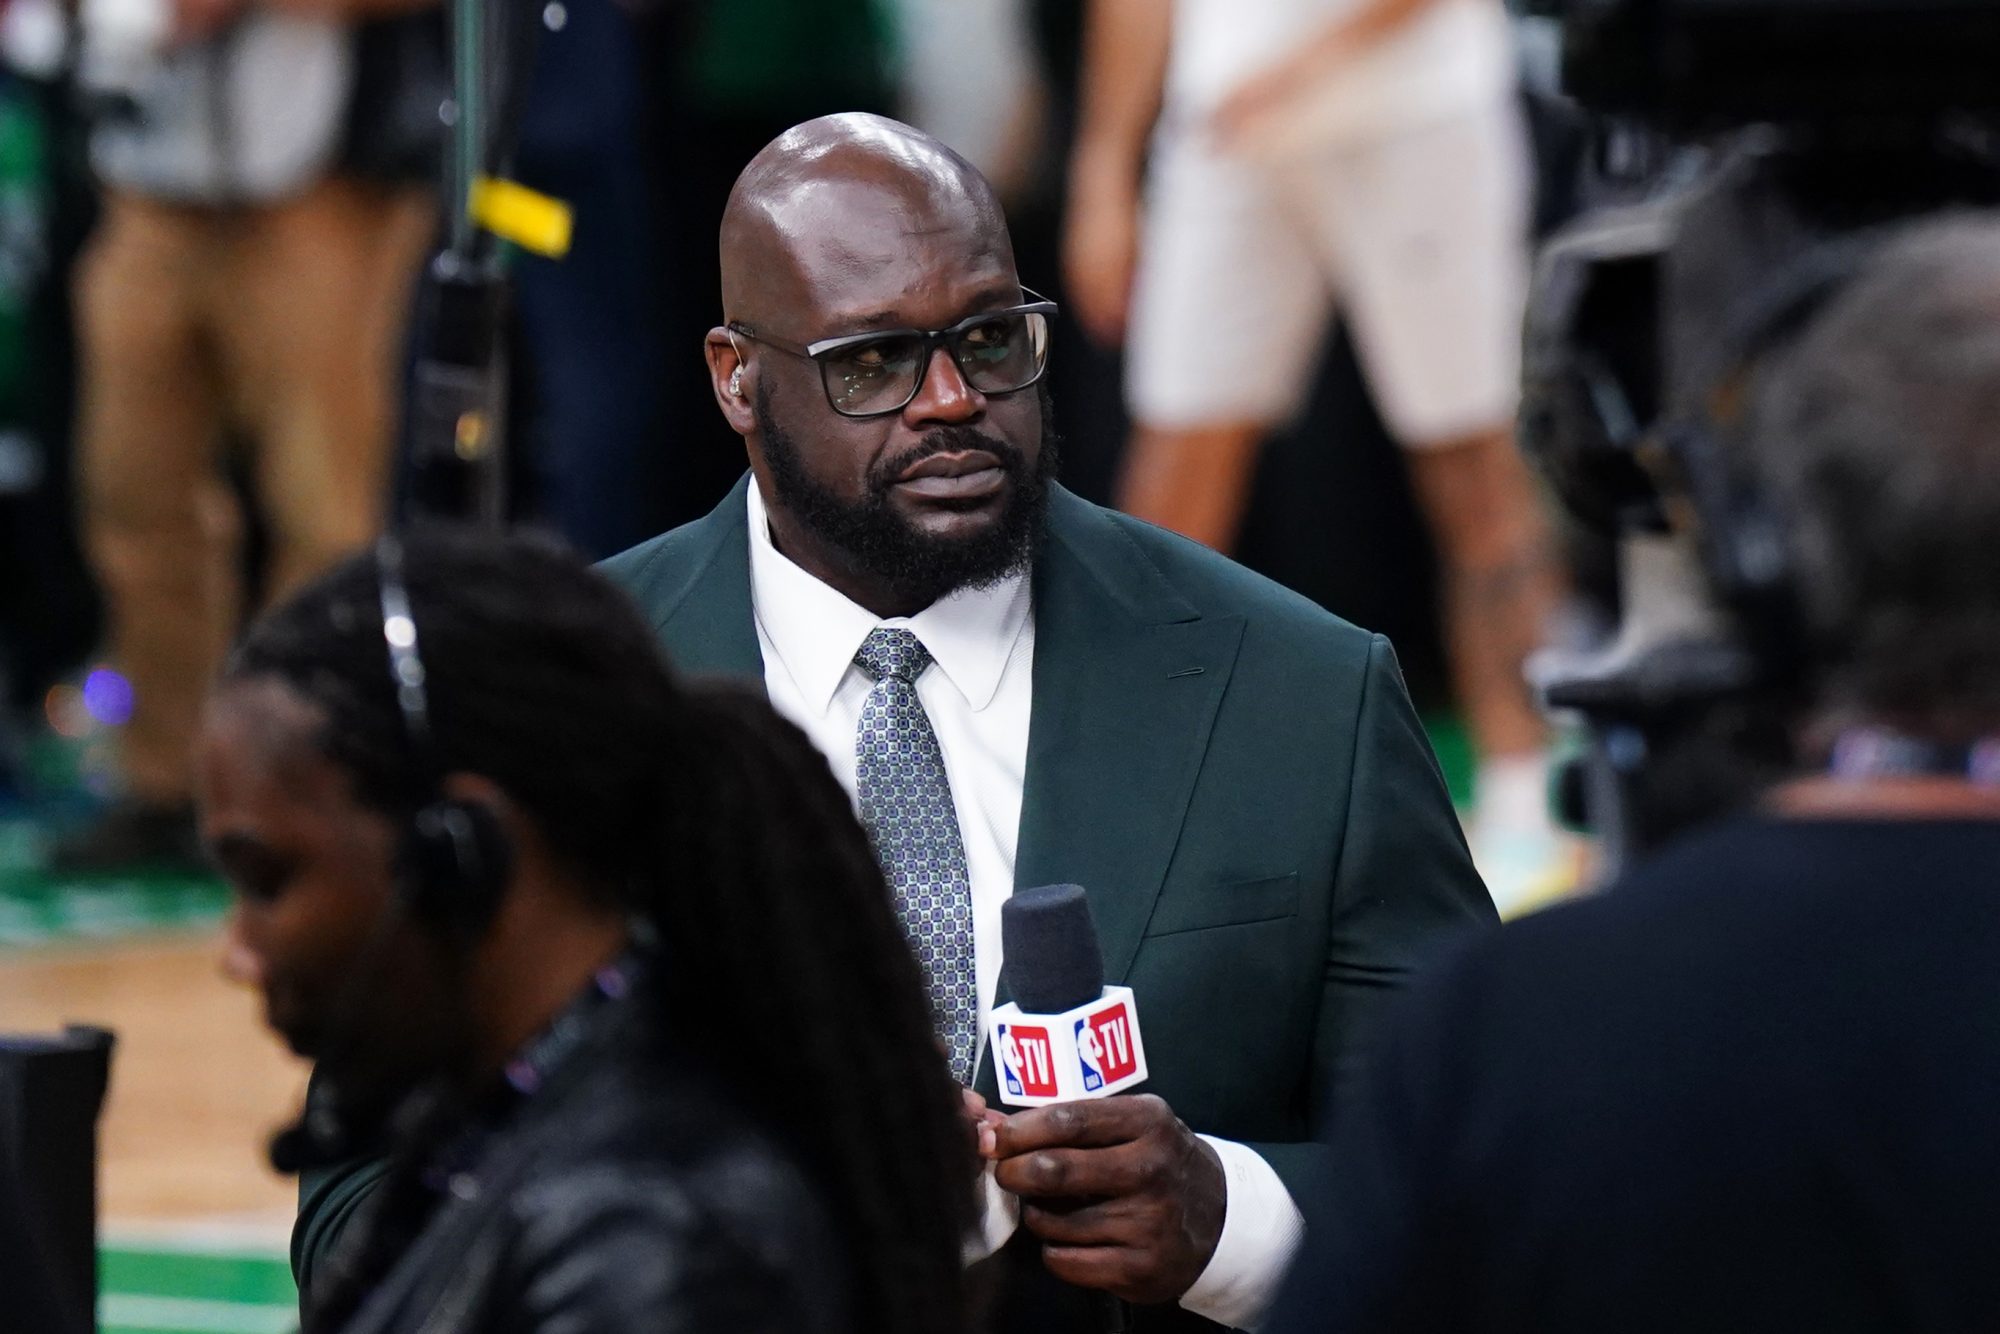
(1526, 860)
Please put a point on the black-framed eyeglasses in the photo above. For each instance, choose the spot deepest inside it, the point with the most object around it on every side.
(874, 374)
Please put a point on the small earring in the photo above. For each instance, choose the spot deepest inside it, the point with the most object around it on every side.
(736, 382)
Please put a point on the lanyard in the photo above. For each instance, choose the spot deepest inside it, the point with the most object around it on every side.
(531, 1068)
(1877, 752)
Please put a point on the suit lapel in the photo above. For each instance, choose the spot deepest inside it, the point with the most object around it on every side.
(704, 616)
(1128, 677)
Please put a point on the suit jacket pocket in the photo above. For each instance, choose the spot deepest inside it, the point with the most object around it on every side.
(1232, 903)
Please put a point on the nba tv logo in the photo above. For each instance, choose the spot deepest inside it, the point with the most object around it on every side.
(1028, 1061)
(1104, 1047)
(1087, 1051)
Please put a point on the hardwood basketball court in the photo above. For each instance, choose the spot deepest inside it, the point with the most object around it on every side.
(193, 1221)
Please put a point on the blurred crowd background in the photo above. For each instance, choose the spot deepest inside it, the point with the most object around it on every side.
(213, 215)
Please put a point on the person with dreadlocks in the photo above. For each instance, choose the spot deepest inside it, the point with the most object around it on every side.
(570, 937)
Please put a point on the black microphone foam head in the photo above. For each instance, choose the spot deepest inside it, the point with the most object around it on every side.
(1050, 954)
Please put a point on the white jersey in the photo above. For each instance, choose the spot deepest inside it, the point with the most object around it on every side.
(1455, 56)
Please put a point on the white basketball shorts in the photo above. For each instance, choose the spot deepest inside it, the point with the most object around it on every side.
(1419, 238)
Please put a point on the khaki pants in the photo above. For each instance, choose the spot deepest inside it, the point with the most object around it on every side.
(280, 325)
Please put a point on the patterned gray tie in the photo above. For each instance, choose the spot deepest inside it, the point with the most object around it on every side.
(905, 800)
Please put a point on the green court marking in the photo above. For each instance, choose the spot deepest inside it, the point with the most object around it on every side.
(37, 908)
(228, 1277)
(181, 1315)
(1455, 754)
(171, 1289)
(56, 912)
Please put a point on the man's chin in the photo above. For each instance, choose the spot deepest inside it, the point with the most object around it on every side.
(950, 518)
(963, 546)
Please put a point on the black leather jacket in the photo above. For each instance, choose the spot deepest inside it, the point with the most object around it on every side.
(625, 1194)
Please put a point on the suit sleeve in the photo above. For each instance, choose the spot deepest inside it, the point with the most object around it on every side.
(1403, 887)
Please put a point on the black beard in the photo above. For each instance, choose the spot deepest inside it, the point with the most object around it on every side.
(880, 543)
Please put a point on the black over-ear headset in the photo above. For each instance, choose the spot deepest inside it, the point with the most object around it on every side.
(452, 864)
(454, 859)
(1742, 535)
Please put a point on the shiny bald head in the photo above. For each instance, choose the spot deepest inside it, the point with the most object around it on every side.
(837, 199)
(851, 225)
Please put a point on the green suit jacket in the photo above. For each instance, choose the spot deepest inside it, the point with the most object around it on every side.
(1234, 776)
(1239, 783)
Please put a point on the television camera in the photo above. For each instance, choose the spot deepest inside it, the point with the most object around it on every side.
(1750, 153)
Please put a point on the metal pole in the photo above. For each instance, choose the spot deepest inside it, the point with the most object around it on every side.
(468, 20)
(457, 460)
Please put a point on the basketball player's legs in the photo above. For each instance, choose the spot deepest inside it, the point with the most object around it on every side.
(1500, 583)
(148, 442)
(314, 343)
(1430, 230)
(1229, 307)
(1194, 480)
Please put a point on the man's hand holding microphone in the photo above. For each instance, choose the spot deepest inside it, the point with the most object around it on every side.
(1125, 1198)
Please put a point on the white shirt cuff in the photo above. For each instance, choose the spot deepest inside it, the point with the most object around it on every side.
(999, 1215)
(1261, 1228)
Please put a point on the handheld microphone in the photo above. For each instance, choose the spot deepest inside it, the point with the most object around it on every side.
(333, 1128)
(325, 1133)
(1065, 1035)
(303, 1145)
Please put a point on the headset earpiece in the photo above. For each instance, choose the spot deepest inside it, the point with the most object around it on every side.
(1744, 538)
(456, 864)
(455, 858)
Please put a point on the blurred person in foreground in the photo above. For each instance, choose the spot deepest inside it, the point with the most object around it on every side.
(1301, 157)
(269, 194)
(1751, 1087)
(1018, 689)
(643, 1033)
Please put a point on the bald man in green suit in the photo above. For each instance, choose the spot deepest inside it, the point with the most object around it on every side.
(1235, 777)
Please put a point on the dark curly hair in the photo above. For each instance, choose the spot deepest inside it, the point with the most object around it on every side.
(696, 807)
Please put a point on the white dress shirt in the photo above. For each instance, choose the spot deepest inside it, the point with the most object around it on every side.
(979, 695)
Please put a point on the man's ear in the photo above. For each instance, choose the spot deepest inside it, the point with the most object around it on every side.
(729, 375)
